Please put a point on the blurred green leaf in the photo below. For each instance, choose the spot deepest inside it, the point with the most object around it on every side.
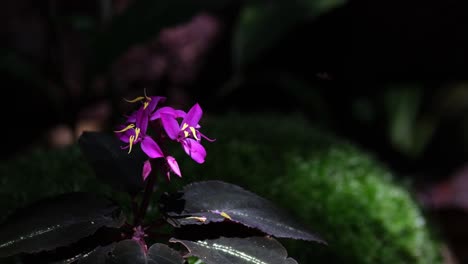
(262, 24)
(410, 130)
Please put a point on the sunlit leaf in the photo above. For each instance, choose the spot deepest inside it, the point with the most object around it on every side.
(95, 256)
(126, 251)
(102, 254)
(163, 254)
(57, 221)
(216, 201)
(255, 250)
(129, 251)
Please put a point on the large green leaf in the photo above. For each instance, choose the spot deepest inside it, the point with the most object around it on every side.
(263, 23)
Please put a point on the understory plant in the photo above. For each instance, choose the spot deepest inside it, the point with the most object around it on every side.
(211, 221)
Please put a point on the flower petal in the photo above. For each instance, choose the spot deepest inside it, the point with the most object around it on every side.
(132, 117)
(154, 102)
(193, 116)
(167, 110)
(180, 114)
(163, 110)
(174, 166)
(125, 136)
(170, 125)
(142, 120)
(194, 149)
(151, 148)
(146, 169)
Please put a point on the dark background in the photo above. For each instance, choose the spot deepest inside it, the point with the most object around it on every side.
(390, 76)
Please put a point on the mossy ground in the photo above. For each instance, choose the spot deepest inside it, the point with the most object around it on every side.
(339, 191)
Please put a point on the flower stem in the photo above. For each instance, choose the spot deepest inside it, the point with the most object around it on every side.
(149, 188)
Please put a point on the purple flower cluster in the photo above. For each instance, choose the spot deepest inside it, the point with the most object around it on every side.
(186, 132)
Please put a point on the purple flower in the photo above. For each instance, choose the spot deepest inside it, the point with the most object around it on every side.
(149, 103)
(187, 132)
(139, 236)
(146, 169)
(167, 110)
(136, 132)
(172, 162)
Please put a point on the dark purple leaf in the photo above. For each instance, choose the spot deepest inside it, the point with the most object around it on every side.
(56, 222)
(112, 164)
(255, 250)
(215, 201)
(129, 251)
(126, 252)
(75, 251)
(96, 256)
(163, 254)
(122, 252)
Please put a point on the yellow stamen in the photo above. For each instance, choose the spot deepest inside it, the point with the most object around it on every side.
(223, 214)
(198, 218)
(137, 133)
(147, 98)
(131, 140)
(184, 126)
(126, 128)
(139, 98)
(186, 134)
(145, 104)
(194, 133)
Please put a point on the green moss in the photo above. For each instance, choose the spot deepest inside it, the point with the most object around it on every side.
(335, 188)
(42, 173)
(341, 192)
(39, 174)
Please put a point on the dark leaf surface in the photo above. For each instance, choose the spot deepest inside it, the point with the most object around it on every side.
(255, 250)
(56, 222)
(97, 256)
(130, 252)
(112, 164)
(163, 254)
(215, 201)
(75, 251)
(126, 252)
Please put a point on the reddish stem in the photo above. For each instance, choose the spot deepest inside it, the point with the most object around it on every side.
(157, 165)
(151, 180)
